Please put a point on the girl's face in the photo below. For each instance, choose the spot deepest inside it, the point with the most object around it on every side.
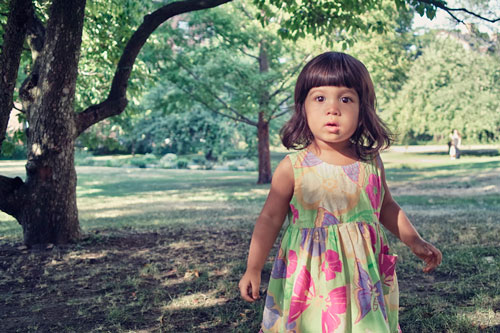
(332, 114)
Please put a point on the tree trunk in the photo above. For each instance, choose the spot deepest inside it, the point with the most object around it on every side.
(15, 32)
(265, 174)
(49, 213)
(45, 205)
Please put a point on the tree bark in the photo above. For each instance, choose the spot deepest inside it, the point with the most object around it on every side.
(45, 205)
(265, 174)
(49, 213)
(15, 32)
(117, 100)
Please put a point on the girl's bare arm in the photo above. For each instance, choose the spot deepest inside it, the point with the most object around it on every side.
(396, 221)
(267, 228)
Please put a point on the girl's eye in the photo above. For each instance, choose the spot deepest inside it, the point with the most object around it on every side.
(320, 98)
(345, 99)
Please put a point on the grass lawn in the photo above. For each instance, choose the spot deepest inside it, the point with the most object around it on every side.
(163, 251)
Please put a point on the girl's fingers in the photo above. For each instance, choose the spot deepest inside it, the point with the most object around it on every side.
(255, 292)
(433, 260)
(249, 290)
(244, 291)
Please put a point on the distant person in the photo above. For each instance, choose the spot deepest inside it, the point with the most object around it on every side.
(455, 142)
(334, 270)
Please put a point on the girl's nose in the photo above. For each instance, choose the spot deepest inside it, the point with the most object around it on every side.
(333, 109)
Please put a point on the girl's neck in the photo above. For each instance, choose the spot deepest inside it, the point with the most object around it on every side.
(338, 153)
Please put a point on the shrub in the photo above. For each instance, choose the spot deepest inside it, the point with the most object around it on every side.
(143, 161)
(182, 163)
(234, 155)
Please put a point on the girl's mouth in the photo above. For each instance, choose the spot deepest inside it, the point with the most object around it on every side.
(332, 127)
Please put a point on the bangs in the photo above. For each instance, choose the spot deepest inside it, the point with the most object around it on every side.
(330, 69)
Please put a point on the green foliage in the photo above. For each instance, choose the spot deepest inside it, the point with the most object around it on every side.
(340, 20)
(216, 65)
(143, 161)
(182, 163)
(319, 18)
(103, 139)
(388, 56)
(14, 146)
(184, 133)
(107, 27)
(449, 86)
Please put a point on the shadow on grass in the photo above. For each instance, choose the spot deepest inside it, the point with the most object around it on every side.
(185, 280)
(178, 280)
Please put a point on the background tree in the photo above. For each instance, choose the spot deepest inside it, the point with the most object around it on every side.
(317, 18)
(236, 69)
(45, 204)
(451, 85)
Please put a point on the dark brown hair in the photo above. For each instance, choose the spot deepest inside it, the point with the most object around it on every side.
(338, 69)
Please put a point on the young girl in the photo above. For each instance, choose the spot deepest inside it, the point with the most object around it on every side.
(334, 271)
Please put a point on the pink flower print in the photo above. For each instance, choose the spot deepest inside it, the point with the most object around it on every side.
(373, 189)
(295, 213)
(303, 293)
(337, 304)
(284, 268)
(386, 264)
(334, 265)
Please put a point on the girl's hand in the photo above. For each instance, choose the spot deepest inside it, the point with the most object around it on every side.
(428, 253)
(249, 286)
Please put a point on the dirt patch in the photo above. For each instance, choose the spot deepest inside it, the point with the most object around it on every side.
(122, 281)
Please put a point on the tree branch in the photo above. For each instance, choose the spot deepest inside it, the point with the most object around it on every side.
(11, 195)
(449, 10)
(291, 74)
(117, 95)
(238, 115)
(98, 112)
(274, 116)
(10, 58)
(18, 109)
(36, 40)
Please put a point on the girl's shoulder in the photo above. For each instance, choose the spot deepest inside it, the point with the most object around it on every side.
(374, 161)
(296, 155)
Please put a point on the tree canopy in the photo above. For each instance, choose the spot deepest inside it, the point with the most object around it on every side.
(450, 86)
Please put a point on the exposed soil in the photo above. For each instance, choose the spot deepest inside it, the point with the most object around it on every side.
(76, 288)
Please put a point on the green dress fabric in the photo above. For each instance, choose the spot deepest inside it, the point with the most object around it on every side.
(333, 272)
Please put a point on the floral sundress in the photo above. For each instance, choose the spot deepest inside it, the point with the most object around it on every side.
(333, 272)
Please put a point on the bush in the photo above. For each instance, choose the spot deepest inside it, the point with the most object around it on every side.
(143, 161)
(182, 163)
(234, 155)
(168, 161)
(243, 164)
